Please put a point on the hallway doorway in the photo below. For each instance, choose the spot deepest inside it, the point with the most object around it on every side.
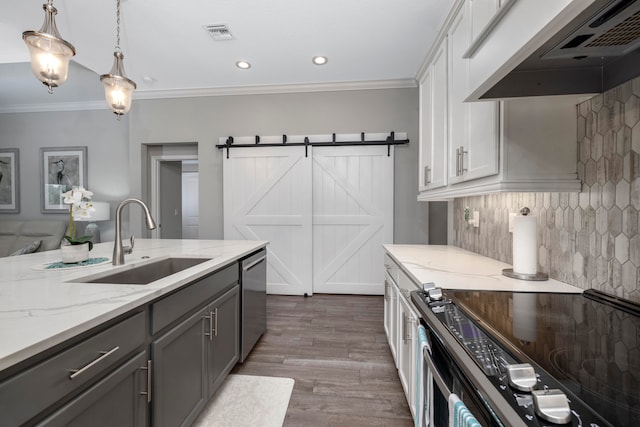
(174, 193)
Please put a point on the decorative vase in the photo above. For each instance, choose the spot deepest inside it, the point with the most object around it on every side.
(72, 254)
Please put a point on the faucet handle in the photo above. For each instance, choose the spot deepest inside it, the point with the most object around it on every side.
(128, 249)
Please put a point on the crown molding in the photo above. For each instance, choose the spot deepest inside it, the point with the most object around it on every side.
(273, 89)
(58, 106)
(222, 91)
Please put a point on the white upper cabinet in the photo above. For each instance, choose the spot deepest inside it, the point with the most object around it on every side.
(473, 127)
(471, 148)
(433, 123)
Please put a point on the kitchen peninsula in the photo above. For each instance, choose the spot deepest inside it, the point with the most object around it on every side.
(49, 317)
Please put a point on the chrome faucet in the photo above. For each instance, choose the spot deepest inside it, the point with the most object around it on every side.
(118, 249)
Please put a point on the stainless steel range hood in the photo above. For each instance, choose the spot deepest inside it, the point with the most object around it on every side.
(597, 51)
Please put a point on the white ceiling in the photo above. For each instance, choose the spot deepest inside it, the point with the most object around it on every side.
(369, 43)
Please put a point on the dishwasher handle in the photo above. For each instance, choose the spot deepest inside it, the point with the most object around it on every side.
(253, 264)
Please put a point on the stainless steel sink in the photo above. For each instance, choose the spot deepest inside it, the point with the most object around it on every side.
(145, 273)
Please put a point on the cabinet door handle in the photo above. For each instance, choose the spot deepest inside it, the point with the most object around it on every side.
(214, 314)
(103, 355)
(462, 153)
(409, 320)
(457, 162)
(210, 319)
(404, 327)
(148, 392)
(427, 175)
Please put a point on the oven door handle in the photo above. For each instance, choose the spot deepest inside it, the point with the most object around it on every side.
(435, 373)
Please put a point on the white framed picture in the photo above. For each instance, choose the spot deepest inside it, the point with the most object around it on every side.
(9, 180)
(62, 168)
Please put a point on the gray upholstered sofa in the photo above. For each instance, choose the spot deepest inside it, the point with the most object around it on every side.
(18, 236)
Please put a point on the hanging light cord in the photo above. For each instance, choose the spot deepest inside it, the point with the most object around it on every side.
(118, 25)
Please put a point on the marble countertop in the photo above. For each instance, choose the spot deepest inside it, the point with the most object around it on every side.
(42, 308)
(450, 267)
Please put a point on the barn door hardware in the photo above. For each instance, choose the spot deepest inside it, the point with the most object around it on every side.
(389, 141)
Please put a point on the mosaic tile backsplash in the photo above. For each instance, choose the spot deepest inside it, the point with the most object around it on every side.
(588, 239)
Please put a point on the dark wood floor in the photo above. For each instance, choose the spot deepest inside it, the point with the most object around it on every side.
(335, 348)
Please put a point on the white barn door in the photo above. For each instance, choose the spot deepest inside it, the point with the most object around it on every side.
(267, 197)
(326, 216)
(352, 218)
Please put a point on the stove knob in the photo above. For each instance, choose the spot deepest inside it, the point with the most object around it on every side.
(522, 376)
(552, 405)
(435, 294)
(428, 286)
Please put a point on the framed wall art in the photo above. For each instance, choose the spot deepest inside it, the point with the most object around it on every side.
(9, 181)
(61, 169)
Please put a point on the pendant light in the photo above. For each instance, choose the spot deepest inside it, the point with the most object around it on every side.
(118, 89)
(49, 53)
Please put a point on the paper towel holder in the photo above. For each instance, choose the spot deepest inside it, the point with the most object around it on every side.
(539, 276)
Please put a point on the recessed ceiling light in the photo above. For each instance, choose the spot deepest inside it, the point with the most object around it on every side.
(243, 64)
(319, 60)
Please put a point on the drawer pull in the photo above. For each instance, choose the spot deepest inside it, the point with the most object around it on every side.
(103, 355)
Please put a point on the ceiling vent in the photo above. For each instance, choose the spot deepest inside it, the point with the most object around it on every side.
(219, 32)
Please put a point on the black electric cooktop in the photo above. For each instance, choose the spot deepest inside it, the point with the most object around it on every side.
(587, 342)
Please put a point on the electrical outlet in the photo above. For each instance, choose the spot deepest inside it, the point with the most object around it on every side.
(511, 216)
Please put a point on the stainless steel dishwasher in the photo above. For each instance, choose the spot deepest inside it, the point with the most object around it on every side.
(253, 298)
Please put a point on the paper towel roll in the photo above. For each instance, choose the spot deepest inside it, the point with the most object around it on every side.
(525, 245)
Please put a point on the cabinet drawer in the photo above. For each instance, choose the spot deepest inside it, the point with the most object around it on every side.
(171, 308)
(121, 395)
(30, 392)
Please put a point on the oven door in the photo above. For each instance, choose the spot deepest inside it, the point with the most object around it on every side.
(447, 378)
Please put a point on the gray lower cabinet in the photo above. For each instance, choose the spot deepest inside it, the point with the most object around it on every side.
(40, 388)
(157, 366)
(192, 359)
(224, 351)
(120, 399)
(179, 372)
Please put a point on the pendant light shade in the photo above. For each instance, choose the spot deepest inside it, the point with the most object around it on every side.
(49, 53)
(118, 89)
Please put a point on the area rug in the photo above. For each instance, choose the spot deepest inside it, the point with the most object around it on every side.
(247, 400)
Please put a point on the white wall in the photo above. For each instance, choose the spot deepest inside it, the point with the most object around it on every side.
(115, 149)
(107, 155)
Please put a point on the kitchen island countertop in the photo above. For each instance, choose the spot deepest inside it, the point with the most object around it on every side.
(42, 308)
(450, 267)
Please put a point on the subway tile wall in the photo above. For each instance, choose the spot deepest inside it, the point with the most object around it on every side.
(588, 239)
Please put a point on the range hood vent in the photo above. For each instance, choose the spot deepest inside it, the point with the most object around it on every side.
(612, 32)
(596, 52)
